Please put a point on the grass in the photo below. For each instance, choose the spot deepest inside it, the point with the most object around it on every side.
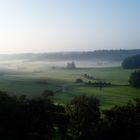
(34, 83)
(112, 96)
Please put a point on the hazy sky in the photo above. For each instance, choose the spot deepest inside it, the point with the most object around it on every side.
(68, 25)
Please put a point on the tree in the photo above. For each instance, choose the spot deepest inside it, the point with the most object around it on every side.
(79, 80)
(134, 79)
(84, 116)
(124, 121)
(61, 119)
(131, 62)
(71, 65)
(22, 118)
(40, 122)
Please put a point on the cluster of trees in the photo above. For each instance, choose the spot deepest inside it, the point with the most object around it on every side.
(94, 83)
(71, 65)
(131, 62)
(81, 119)
(30, 119)
(98, 84)
(89, 77)
(134, 79)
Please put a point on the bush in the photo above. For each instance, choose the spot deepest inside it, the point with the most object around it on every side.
(79, 80)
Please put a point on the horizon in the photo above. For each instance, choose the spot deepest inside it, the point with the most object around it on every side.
(68, 51)
(38, 26)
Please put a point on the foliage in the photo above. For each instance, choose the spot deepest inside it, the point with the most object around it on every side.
(79, 80)
(98, 84)
(22, 118)
(124, 122)
(40, 119)
(131, 62)
(84, 116)
(71, 65)
(90, 55)
(135, 79)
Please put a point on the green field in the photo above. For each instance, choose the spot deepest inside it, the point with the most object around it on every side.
(62, 82)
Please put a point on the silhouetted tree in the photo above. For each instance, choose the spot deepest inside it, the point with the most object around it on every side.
(62, 120)
(25, 119)
(124, 121)
(38, 118)
(84, 116)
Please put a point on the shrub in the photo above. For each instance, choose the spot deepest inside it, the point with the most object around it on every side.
(79, 80)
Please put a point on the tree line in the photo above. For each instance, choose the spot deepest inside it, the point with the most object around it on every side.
(39, 118)
(104, 55)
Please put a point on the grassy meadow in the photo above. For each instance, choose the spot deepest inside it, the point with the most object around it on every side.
(32, 82)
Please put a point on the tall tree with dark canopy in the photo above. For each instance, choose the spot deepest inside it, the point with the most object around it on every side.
(124, 122)
(84, 116)
(21, 118)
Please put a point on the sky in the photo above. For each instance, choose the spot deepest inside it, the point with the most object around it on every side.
(68, 25)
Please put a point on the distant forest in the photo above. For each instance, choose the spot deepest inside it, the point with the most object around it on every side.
(111, 55)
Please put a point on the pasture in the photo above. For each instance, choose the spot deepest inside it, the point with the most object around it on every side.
(62, 81)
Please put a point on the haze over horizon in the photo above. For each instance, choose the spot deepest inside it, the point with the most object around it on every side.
(68, 25)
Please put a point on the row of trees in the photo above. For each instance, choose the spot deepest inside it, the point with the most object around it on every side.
(81, 119)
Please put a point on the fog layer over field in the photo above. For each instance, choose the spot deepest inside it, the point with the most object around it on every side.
(40, 61)
(32, 74)
(25, 65)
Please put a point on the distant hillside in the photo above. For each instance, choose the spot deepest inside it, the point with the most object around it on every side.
(131, 62)
(105, 55)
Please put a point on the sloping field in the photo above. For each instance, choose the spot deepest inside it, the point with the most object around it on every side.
(62, 82)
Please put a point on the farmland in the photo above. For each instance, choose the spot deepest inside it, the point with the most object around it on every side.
(32, 82)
